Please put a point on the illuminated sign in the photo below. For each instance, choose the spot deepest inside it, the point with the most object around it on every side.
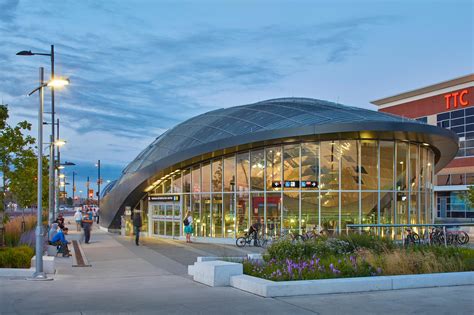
(164, 198)
(456, 98)
(309, 184)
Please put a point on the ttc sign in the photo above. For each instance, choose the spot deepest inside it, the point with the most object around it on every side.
(456, 98)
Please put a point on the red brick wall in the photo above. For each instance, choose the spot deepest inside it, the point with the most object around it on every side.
(430, 105)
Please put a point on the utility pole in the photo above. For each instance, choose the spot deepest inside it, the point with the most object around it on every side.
(73, 186)
(87, 191)
(98, 184)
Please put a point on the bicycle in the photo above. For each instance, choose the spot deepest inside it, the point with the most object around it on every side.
(412, 238)
(293, 236)
(247, 240)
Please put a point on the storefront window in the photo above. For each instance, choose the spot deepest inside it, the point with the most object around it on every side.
(206, 215)
(309, 211)
(273, 168)
(370, 207)
(243, 172)
(187, 180)
(206, 177)
(414, 173)
(402, 152)
(369, 164)
(414, 208)
(273, 214)
(242, 212)
(291, 166)
(217, 175)
(291, 211)
(387, 155)
(229, 215)
(195, 200)
(349, 210)
(167, 186)
(257, 210)
(349, 165)
(329, 212)
(229, 173)
(330, 155)
(257, 170)
(177, 183)
(310, 162)
(196, 174)
(217, 215)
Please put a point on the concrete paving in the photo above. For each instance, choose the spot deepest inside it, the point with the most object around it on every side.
(151, 279)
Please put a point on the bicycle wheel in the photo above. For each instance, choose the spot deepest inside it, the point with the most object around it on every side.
(415, 238)
(298, 238)
(241, 241)
(463, 238)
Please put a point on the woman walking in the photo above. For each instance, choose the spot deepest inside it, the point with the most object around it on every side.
(188, 226)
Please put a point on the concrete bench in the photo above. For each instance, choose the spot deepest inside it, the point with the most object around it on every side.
(48, 264)
(215, 273)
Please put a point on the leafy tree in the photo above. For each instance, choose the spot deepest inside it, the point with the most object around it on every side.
(468, 196)
(18, 162)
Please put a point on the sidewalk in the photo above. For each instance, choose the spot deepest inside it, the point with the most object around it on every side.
(152, 279)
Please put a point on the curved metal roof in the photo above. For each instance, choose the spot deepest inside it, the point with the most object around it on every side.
(241, 120)
(273, 121)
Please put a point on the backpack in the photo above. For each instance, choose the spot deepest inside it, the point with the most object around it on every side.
(186, 222)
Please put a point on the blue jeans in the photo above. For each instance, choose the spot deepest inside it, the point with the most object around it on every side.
(136, 231)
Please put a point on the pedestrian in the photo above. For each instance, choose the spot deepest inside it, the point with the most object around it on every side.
(60, 221)
(87, 225)
(59, 240)
(78, 219)
(98, 215)
(137, 224)
(188, 226)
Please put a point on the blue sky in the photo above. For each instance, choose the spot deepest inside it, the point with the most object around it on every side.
(139, 67)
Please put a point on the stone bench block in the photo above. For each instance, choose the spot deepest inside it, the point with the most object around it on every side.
(48, 264)
(432, 280)
(51, 250)
(216, 273)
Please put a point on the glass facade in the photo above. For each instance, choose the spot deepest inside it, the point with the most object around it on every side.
(325, 185)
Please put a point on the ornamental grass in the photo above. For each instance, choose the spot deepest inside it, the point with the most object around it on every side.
(13, 231)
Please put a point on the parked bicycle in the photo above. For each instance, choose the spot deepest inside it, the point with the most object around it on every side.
(248, 240)
(437, 237)
(412, 237)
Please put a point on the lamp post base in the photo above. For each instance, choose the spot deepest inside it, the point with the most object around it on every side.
(39, 276)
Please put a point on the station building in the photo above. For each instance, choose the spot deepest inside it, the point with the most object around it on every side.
(295, 163)
(448, 105)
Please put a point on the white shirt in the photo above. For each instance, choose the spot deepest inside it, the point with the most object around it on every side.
(78, 216)
(190, 219)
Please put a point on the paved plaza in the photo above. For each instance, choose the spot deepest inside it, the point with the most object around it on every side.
(152, 279)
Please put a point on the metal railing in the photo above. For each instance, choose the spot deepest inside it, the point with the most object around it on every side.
(443, 225)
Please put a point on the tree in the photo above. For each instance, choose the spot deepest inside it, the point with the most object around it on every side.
(18, 161)
(468, 196)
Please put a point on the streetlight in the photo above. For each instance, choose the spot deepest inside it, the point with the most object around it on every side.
(98, 183)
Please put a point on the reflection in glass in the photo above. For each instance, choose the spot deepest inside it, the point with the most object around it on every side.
(206, 177)
(291, 164)
(177, 183)
(387, 153)
(196, 174)
(369, 207)
(273, 223)
(414, 208)
(329, 212)
(350, 165)
(243, 171)
(290, 211)
(402, 152)
(349, 209)
(257, 168)
(257, 211)
(273, 167)
(217, 175)
(229, 215)
(206, 215)
(217, 215)
(330, 155)
(309, 161)
(369, 164)
(309, 211)
(187, 180)
(229, 173)
(242, 213)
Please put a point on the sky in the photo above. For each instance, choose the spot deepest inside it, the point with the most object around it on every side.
(137, 68)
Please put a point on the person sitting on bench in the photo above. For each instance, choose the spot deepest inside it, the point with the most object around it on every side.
(59, 240)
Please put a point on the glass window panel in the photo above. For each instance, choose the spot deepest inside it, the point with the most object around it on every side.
(414, 208)
(291, 165)
(402, 208)
(177, 183)
(257, 210)
(217, 215)
(457, 113)
(291, 211)
(205, 215)
(193, 203)
(217, 175)
(349, 210)
(167, 186)
(402, 152)
(229, 173)
(309, 211)
(243, 171)
(273, 156)
(309, 161)
(242, 212)
(196, 174)
(458, 179)
(273, 224)
(329, 163)
(350, 165)
(387, 211)
(329, 212)
(187, 180)
(206, 177)
(387, 155)
(414, 172)
(422, 208)
(423, 157)
(369, 165)
(257, 170)
(229, 215)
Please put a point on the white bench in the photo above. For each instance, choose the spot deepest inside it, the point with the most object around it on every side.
(215, 273)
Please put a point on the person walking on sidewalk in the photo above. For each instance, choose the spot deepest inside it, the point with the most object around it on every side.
(78, 219)
(137, 224)
(87, 225)
(188, 226)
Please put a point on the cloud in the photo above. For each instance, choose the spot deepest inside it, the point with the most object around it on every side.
(8, 10)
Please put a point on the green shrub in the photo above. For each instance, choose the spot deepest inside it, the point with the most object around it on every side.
(365, 241)
(16, 257)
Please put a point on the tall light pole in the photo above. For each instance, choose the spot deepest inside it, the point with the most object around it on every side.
(98, 183)
(51, 157)
(73, 186)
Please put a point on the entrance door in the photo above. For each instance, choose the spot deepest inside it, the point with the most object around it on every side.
(166, 218)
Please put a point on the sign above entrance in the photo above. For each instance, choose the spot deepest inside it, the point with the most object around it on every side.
(164, 198)
(456, 98)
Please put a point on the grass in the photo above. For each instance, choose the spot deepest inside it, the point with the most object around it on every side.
(13, 230)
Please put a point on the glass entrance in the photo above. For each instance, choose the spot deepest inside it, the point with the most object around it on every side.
(166, 218)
